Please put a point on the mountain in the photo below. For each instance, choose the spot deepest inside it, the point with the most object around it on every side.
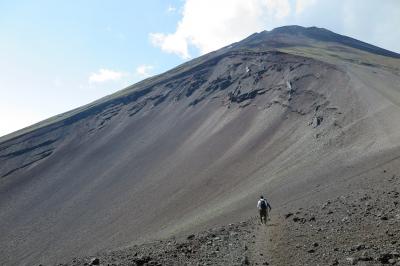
(293, 113)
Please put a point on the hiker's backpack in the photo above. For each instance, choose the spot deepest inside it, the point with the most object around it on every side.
(263, 204)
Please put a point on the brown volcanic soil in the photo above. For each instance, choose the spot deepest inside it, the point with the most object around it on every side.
(193, 148)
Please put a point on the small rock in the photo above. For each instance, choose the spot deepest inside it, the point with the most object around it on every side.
(385, 257)
(351, 260)
(325, 204)
(365, 256)
(300, 220)
(190, 237)
(359, 247)
(95, 261)
(288, 215)
(335, 262)
(245, 261)
(233, 234)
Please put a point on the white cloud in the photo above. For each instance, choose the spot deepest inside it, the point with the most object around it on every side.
(104, 75)
(171, 9)
(278, 9)
(208, 24)
(171, 43)
(302, 5)
(144, 70)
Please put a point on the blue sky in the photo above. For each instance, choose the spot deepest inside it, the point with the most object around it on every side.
(58, 55)
(49, 50)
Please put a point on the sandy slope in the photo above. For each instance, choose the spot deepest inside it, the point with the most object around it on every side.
(194, 148)
(359, 226)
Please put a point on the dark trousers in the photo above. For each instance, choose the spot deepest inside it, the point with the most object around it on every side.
(263, 215)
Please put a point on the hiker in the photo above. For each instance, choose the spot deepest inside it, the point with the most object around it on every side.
(263, 206)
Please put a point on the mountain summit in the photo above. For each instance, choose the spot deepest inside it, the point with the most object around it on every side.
(301, 36)
(294, 113)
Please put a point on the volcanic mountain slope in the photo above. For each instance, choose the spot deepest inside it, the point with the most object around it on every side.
(357, 228)
(283, 112)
